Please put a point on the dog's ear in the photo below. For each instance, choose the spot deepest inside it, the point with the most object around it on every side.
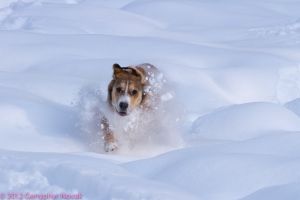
(109, 91)
(117, 69)
(140, 73)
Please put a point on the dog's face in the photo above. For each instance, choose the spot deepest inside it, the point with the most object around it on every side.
(126, 89)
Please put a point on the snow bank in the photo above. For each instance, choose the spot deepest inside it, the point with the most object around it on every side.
(31, 123)
(233, 71)
(294, 106)
(285, 191)
(246, 121)
(219, 175)
(93, 178)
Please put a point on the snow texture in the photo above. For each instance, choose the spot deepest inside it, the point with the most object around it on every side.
(228, 123)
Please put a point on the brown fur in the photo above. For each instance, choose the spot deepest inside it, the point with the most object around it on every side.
(128, 85)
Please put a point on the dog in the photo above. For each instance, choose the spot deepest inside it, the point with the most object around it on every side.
(131, 88)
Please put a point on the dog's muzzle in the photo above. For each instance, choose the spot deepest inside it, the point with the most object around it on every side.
(123, 106)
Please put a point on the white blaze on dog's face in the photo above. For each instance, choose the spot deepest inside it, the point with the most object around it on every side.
(126, 90)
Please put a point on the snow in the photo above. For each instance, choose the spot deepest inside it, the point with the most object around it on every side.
(228, 126)
(212, 175)
(294, 106)
(246, 121)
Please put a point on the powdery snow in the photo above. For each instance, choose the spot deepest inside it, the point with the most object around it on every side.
(228, 127)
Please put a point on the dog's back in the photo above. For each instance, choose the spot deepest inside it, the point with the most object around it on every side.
(152, 84)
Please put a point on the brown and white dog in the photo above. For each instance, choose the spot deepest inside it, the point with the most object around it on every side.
(131, 88)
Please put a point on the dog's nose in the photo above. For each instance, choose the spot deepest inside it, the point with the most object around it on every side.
(123, 105)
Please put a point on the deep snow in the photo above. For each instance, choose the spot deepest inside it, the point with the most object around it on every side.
(232, 124)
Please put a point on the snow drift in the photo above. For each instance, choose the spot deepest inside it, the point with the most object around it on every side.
(233, 71)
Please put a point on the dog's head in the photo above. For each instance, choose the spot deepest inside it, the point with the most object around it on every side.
(125, 91)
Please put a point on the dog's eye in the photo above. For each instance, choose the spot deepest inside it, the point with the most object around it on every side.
(134, 92)
(119, 90)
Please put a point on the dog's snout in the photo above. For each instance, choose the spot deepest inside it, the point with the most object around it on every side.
(123, 105)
